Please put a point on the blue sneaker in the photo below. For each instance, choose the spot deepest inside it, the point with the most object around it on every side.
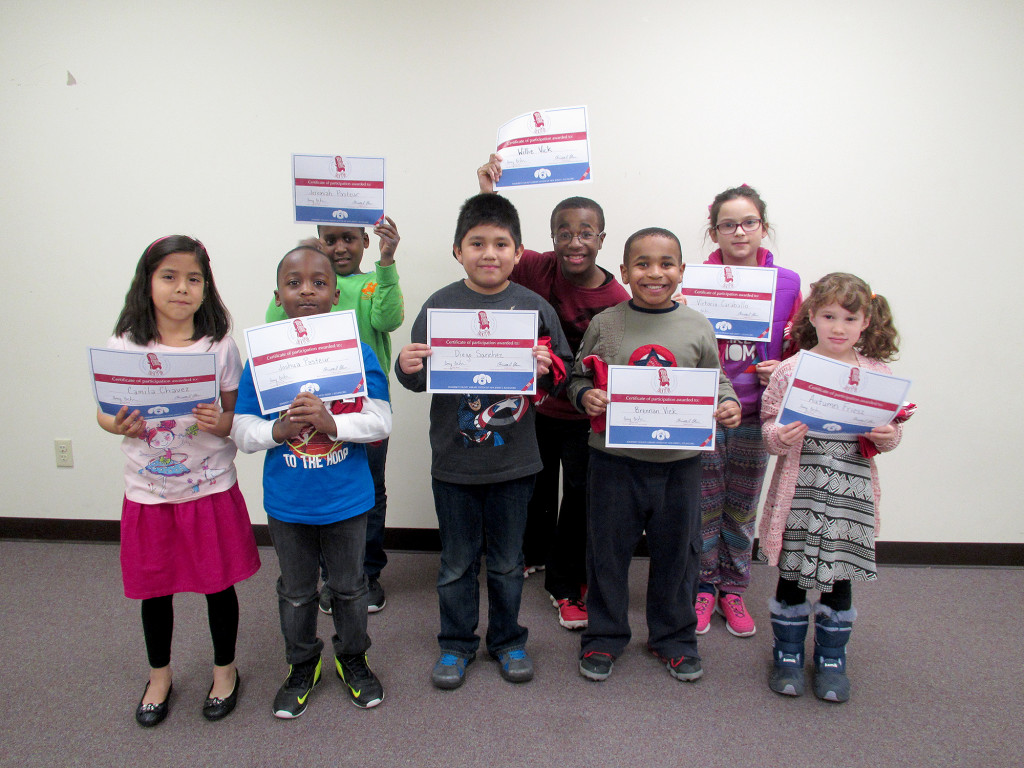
(516, 665)
(450, 670)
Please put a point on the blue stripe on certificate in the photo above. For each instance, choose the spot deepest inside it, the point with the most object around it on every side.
(163, 411)
(821, 426)
(659, 437)
(338, 217)
(544, 174)
(333, 387)
(469, 381)
(753, 330)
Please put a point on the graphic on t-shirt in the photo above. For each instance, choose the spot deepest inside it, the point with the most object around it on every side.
(653, 355)
(317, 449)
(166, 462)
(478, 414)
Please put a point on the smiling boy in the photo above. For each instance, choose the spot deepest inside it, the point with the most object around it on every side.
(569, 278)
(380, 309)
(484, 453)
(317, 489)
(631, 490)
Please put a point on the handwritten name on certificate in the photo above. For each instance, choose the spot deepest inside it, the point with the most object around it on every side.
(318, 354)
(482, 350)
(158, 384)
(340, 190)
(832, 398)
(739, 301)
(661, 407)
(549, 146)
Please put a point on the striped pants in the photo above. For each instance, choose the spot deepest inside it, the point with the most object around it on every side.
(731, 478)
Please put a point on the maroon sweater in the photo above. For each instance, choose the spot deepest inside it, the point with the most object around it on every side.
(575, 306)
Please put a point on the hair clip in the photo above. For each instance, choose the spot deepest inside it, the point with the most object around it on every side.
(874, 296)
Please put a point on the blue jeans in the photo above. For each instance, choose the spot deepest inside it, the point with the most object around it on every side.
(472, 519)
(299, 548)
(375, 558)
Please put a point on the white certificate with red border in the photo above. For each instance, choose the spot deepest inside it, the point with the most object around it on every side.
(834, 398)
(342, 190)
(739, 301)
(482, 350)
(653, 407)
(320, 354)
(158, 384)
(547, 146)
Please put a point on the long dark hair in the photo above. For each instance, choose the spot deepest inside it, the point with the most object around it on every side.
(138, 319)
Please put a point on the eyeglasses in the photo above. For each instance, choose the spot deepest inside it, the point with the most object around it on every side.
(729, 227)
(564, 238)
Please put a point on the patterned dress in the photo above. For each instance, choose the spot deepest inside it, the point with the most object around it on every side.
(830, 533)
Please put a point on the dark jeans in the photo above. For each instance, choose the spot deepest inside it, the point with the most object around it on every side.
(471, 518)
(626, 497)
(299, 548)
(556, 536)
(375, 558)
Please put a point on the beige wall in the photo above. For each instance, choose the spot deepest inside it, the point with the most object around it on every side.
(885, 138)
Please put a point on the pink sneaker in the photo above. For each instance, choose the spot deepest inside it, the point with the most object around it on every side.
(572, 614)
(705, 607)
(737, 620)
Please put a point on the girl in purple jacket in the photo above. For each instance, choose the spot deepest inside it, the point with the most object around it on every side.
(733, 473)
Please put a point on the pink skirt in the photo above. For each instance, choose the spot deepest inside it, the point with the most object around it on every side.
(203, 546)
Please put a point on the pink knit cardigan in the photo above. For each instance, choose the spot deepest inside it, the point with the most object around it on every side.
(780, 492)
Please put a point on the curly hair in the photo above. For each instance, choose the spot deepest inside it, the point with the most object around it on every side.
(879, 340)
(137, 320)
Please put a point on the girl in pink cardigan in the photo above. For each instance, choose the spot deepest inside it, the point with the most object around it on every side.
(821, 512)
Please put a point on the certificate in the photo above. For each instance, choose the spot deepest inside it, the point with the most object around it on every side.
(661, 407)
(318, 354)
(478, 350)
(158, 384)
(739, 301)
(545, 147)
(340, 190)
(832, 398)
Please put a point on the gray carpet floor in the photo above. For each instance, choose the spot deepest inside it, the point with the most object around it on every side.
(936, 663)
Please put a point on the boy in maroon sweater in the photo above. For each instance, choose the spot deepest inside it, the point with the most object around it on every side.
(569, 278)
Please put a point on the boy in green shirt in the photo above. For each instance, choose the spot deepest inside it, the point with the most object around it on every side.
(380, 309)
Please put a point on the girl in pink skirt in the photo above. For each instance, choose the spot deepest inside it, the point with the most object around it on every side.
(184, 523)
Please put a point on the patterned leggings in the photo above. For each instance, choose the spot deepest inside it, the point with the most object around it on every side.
(731, 478)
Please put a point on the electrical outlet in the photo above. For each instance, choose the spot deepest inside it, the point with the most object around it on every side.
(63, 451)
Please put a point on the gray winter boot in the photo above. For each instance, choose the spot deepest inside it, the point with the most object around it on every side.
(789, 625)
(831, 634)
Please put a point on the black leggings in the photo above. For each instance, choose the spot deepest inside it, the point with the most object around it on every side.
(839, 599)
(158, 626)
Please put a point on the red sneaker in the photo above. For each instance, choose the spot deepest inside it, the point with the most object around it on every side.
(737, 620)
(705, 607)
(572, 614)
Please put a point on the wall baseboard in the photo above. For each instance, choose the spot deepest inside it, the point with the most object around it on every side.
(922, 553)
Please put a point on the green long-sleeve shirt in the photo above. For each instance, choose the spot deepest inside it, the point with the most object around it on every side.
(377, 300)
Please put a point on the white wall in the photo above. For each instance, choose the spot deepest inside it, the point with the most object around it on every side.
(885, 137)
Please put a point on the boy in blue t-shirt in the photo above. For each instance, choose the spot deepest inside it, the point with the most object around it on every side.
(317, 489)
(484, 452)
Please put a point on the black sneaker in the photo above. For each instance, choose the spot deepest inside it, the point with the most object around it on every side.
(363, 686)
(291, 699)
(375, 600)
(596, 665)
(685, 668)
(325, 601)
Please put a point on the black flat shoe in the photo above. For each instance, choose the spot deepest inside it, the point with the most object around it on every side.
(215, 709)
(148, 715)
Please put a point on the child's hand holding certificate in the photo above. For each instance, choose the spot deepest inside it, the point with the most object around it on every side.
(319, 354)
(482, 350)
